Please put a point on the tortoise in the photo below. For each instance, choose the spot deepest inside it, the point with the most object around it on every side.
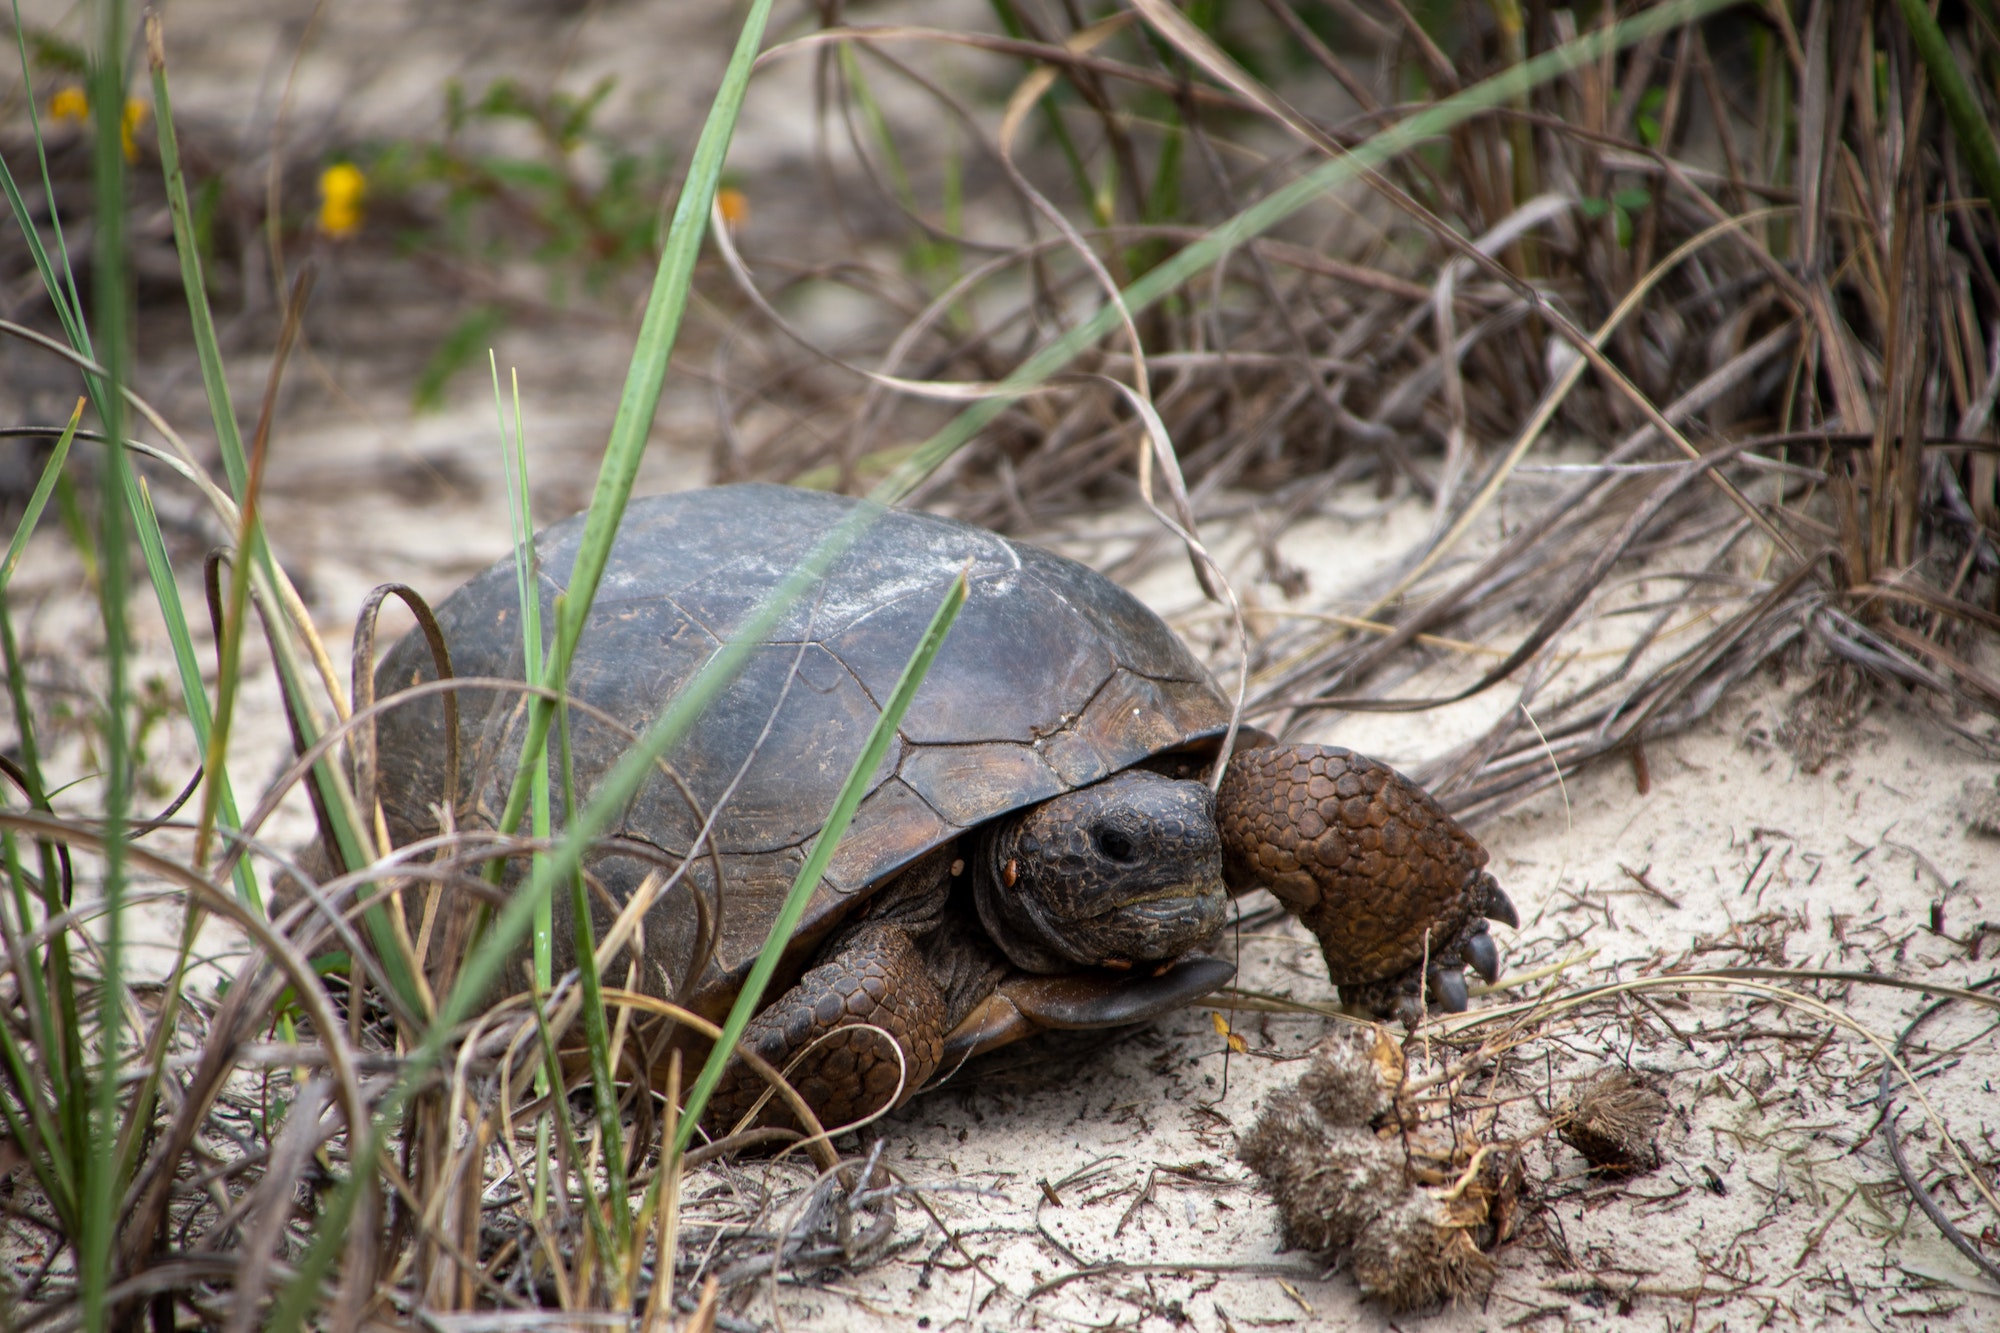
(1038, 849)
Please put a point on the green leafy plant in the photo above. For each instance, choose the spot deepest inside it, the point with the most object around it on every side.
(1646, 116)
(582, 203)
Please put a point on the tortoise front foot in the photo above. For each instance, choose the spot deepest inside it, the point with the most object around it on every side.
(1442, 979)
(1393, 889)
(860, 1031)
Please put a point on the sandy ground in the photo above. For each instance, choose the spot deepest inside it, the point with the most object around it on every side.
(1096, 1184)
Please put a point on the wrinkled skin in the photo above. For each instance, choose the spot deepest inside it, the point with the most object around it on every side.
(1121, 874)
(1127, 871)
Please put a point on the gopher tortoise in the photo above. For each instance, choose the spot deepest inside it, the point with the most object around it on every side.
(1038, 849)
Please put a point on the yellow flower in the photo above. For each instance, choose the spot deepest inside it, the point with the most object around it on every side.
(135, 115)
(69, 103)
(341, 190)
(734, 205)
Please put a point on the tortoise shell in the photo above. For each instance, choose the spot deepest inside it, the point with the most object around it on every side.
(1052, 678)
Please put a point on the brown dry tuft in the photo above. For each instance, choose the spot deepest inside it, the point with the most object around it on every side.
(1341, 1186)
(1416, 1255)
(1614, 1121)
(1822, 723)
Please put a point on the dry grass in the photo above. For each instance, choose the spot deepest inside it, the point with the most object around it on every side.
(1771, 340)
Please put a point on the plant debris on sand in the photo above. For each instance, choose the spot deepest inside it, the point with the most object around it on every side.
(1614, 1121)
(1348, 1187)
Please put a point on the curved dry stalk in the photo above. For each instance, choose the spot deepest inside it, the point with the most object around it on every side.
(944, 391)
(1912, 1182)
(1552, 401)
(184, 463)
(1158, 445)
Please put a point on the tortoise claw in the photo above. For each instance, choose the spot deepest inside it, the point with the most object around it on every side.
(1483, 954)
(1499, 907)
(1450, 986)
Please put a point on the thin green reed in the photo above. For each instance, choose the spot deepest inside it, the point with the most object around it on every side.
(514, 462)
(640, 400)
(218, 800)
(56, 1097)
(109, 273)
(1970, 122)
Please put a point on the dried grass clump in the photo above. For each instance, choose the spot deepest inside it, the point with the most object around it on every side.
(1614, 1121)
(1343, 1187)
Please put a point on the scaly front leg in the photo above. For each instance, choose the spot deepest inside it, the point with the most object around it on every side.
(1374, 867)
(873, 977)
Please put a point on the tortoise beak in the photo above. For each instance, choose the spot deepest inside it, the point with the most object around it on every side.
(1163, 923)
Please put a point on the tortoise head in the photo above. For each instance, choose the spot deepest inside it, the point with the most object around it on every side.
(1126, 871)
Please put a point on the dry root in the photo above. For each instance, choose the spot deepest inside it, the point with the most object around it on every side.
(1343, 1187)
(1614, 1121)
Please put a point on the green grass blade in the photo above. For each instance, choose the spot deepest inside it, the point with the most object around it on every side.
(110, 274)
(220, 800)
(40, 499)
(60, 1035)
(235, 602)
(640, 400)
(525, 578)
(38, 1136)
(551, 1073)
(215, 383)
(1079, 174)
(160, 569)
(1176, 271)
(147, 528)
(60, 287)
(1961, 106)
(514, 466)
(51, 1165)
(31, 764)
(878, 125)
(844, 806)
(596, 1025)
(187, 664)
(51, 1011)
(62, 294)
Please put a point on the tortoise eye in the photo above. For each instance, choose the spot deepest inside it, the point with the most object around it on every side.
(1114, 845)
